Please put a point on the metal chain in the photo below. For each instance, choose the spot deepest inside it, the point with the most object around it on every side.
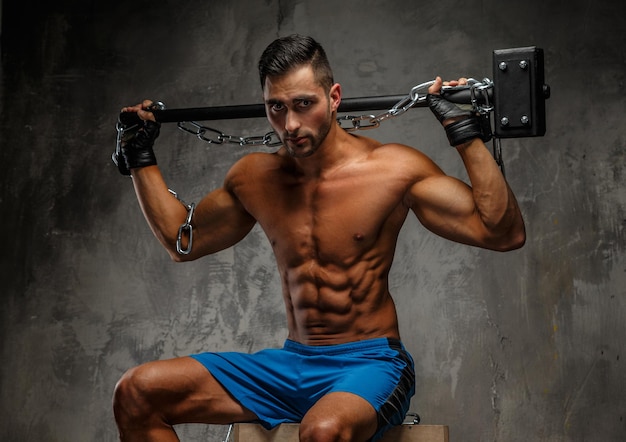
(481, 88)
(270, 139)
(373, 121)
(497, 155)
(205, 134)
(347, 122)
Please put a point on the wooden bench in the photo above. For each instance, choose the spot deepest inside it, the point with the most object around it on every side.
(289, 433)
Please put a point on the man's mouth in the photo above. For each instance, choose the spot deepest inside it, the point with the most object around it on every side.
(296, 140)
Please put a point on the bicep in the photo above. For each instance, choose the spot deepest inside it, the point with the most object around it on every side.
(445, 206)
(219, 221)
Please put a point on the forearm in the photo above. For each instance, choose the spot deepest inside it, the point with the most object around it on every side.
(134, 156)
(163, 212)
(495, 203)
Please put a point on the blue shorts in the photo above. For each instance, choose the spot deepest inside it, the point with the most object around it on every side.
(281, 385)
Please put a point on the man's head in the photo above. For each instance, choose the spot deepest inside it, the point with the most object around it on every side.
(287, 53)
(300, 97)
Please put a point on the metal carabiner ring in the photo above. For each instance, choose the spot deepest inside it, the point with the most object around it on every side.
(415, 90)
(186, 227)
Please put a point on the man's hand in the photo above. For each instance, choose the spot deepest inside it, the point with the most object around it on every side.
(137, 149)
(446, 111)
(462, 123)
(142, 110)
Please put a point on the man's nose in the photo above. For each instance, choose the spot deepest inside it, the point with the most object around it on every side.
(292, 122)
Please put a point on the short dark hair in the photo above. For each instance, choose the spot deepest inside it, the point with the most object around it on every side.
(286, 53)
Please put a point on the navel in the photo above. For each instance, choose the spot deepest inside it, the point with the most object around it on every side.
(358, 237)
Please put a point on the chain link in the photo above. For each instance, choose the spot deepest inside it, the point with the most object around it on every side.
(185, 228)
(481, 88)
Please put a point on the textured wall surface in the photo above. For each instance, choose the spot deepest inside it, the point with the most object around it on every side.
(522, 346)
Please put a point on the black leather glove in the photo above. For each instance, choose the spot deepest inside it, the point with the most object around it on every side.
(138, 151)
(135, 147)
(469, 124)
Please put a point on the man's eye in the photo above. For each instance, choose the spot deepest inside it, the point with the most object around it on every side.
(305, 103)
(277, 107)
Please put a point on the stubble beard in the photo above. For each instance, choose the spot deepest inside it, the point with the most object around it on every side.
(313, 140)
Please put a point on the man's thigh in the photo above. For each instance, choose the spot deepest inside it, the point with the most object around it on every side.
(185, 391)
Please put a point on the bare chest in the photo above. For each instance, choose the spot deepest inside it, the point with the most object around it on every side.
(333, 220)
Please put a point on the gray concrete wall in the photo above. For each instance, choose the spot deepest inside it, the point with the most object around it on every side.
(523, 346)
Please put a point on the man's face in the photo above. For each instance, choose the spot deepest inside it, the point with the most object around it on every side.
(299, 110)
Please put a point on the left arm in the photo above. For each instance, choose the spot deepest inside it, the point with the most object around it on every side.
(485, 215)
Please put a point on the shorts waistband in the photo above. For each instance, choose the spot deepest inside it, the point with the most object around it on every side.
(311, 350)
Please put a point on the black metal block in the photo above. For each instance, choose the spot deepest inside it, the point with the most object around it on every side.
(519, 93)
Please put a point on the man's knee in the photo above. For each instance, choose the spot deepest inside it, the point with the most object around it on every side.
(325, 429)
(130, 397)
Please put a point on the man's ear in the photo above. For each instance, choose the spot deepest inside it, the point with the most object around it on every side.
(335, 97)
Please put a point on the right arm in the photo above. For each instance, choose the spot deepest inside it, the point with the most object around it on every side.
(219, 220)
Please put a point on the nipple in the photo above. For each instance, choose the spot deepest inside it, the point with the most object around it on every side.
(358, 237)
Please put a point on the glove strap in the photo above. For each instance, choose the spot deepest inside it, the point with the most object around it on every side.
(465, 130)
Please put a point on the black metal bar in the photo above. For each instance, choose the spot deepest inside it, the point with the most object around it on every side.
(360, 104)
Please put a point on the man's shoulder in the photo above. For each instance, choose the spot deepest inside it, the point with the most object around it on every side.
(403, 162)
(252, 167)
(255, 162)
(397, 152)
